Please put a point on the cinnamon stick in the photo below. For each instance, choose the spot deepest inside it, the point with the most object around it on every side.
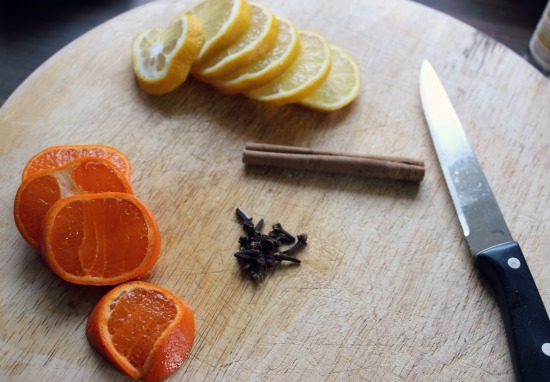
(334, 162)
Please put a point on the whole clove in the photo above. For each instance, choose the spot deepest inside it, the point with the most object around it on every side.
(258, 252)
(302, 242)
(279, 232)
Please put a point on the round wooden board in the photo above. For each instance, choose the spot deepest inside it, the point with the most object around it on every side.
(386, 289)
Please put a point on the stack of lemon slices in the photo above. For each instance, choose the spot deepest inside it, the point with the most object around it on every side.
(242, 47)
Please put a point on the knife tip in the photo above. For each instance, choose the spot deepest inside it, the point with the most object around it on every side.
(425, 64)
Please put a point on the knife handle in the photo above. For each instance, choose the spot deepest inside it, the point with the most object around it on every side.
(525, 318)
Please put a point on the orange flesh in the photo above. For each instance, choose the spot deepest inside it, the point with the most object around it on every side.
(145, 331)
(37, 198)
(40, 191)
(61, 155)
(102, 232)
(146, 312)
(95, 177)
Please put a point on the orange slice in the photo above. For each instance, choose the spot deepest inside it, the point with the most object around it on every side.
(224, 21)
(254, 43)
(57, 156)
(303, 77)
(39, 192)
(342, 85)
(267, 67)
(162, 57)
(100, 239)
(144, 330)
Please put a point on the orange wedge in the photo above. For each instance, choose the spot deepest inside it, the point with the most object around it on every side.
(254, 43)
(40, 191)
(144, 330)
(303, 77)
(162, 57)
(224, 21)
(100, 239)
(342, 85)
(57, 156)
(267, 67)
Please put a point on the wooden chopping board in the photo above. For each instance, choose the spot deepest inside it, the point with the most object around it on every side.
(386, 290)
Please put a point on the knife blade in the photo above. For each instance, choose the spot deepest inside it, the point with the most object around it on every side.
(497, 256)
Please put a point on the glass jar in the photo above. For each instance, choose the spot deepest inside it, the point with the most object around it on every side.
(539, 45)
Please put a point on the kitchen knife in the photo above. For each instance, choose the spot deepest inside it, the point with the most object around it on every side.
(496, 254)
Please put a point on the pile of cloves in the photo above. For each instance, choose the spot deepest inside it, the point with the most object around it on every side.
(259, 253)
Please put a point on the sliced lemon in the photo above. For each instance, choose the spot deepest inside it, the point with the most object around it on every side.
(303, 77)
(224, 21)
(267, 67)
(254, 43)
(342, 85)
(162, 57)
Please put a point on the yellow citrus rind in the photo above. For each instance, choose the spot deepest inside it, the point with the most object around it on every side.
(341, 87)
(267, 67)
(162, 57)
(253, 44)
(303, 77)
(224, 21)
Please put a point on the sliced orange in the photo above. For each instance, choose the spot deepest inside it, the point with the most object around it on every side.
(162, 57)
(40, 191)
(342, 85)
(303, 77)
(57, 156)
(144, 330)
(267, 67)
(254, 43)
(224, 21)
(100, 239)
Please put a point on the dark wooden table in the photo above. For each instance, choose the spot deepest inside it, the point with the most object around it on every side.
(32, 30)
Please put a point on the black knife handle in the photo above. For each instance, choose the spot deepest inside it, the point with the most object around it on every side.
(525, 318)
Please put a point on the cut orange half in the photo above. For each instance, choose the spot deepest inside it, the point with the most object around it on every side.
(342, 85)
(303, 77)
(57, 156)
(224, 21)
(162, 57)
(144, 330)
(254, 43)
(39, 192)
(267, 67)
(100, 239)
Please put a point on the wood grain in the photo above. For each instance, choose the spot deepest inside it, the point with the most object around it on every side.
(386, 289)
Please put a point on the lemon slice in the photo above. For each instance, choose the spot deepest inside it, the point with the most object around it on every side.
(303, 77)
(162, 57)
(224, 21)
(254, 43)
(267, 67)
(342, 85)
